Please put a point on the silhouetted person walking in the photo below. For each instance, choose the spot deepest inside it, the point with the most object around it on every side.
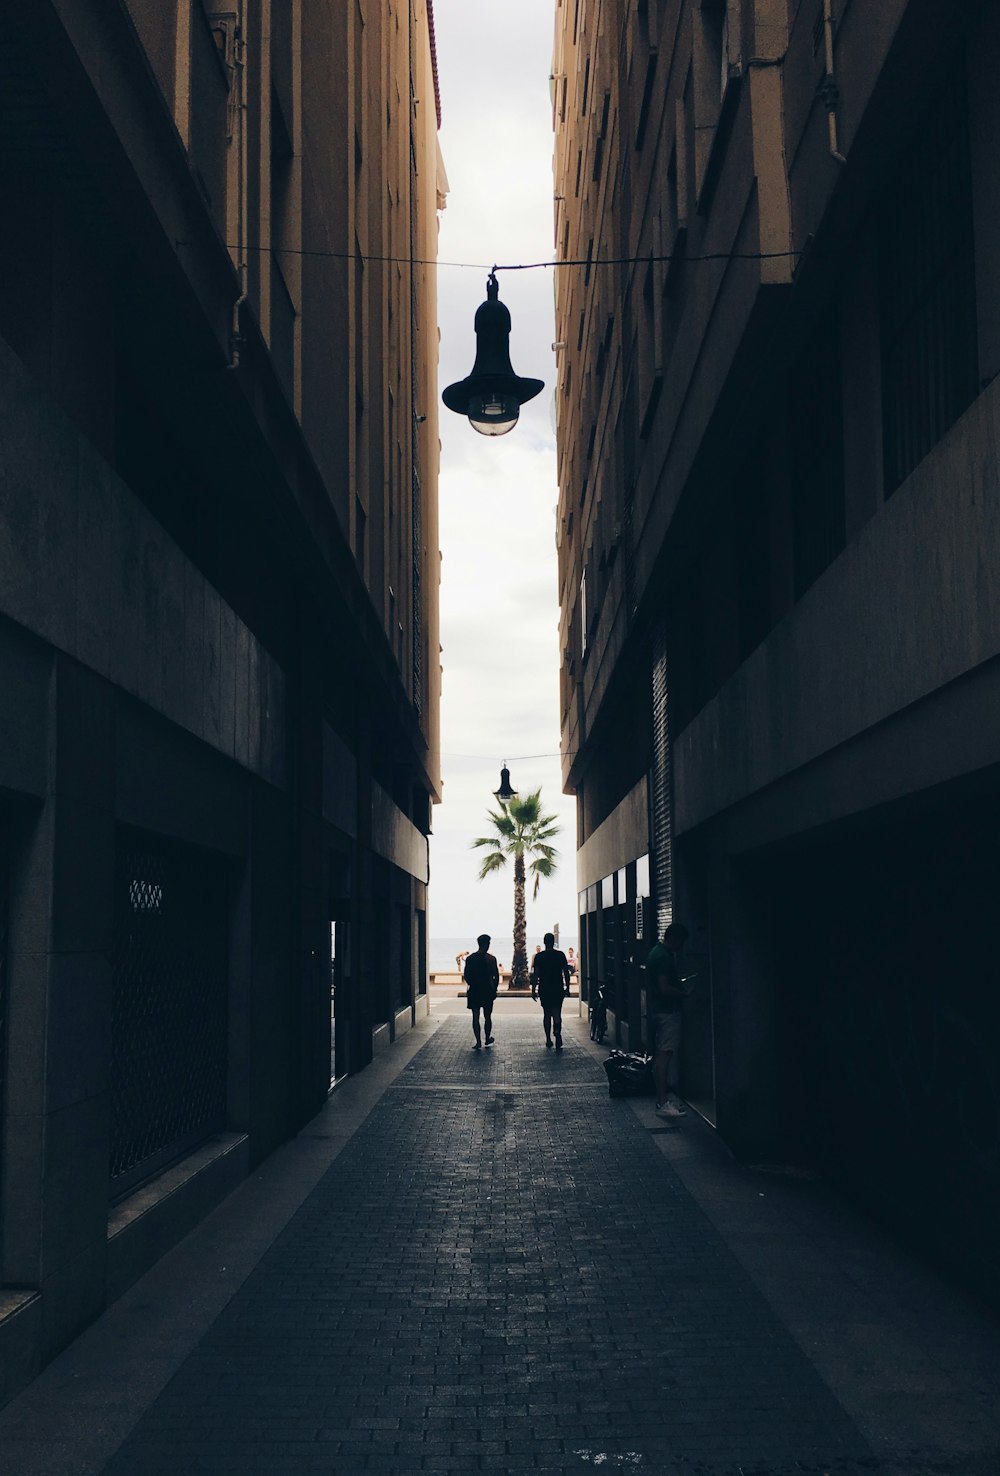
(482, 977)
(550, 984)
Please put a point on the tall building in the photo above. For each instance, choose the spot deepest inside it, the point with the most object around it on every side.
(218, 604)
(779, 532)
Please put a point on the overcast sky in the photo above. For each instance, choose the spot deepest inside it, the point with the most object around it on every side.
(499, 602)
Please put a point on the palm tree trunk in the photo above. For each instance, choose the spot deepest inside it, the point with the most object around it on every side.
(519, 963)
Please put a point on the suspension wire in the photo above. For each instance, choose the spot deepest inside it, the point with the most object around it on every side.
(650, 257)
(517, 266)
(518, 758)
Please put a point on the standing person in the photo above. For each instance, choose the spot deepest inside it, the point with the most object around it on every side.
(550, 983)
(483, 980)
(666, 993)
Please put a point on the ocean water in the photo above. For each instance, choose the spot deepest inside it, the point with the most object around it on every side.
(441, 951)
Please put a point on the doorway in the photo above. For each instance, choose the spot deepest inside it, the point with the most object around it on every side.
(340, 994)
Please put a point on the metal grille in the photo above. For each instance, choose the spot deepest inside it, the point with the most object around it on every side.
(927, 287)
(612, 949)
(661, 788)
(169, 1008)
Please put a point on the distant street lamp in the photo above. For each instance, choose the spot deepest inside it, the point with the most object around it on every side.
(505, 794)
(493, 394)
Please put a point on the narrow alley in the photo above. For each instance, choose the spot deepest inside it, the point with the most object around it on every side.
(479, 1262)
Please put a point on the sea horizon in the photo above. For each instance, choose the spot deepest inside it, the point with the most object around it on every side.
(441, 951)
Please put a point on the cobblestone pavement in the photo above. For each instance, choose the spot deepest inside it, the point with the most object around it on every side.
(500, 1272)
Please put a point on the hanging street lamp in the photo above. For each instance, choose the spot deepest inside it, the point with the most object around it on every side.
(505, 794)
(493, 394)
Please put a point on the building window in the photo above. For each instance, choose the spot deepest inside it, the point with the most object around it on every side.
(927, 287)
(716, 63)
(648, 361)
(360, 525)
(170, 993)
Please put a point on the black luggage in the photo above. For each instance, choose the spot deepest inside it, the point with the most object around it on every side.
(629, 1074)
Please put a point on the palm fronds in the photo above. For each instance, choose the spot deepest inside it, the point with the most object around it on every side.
(521, 833)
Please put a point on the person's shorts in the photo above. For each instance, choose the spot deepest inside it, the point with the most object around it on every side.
(552, 1001)
(667, 1030)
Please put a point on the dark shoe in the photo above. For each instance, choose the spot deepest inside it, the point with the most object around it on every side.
(489, 1040)
(558, 1042)
(548, 1045)
(477, 1046)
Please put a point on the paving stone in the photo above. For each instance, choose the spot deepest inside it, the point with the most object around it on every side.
(500, 1272)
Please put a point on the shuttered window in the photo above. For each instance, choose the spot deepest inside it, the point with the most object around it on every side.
(661, 789)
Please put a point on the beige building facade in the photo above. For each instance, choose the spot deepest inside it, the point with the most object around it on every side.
(779, 561)
(218, 605)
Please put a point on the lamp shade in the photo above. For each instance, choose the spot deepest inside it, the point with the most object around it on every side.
(493, 394)
(505, 793)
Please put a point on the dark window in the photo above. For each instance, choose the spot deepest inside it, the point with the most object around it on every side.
(360, 524)
(170, 990)
(209, 114)
(421, 918)
(282, 306)
(382, 986)
(647, 99)
(927, 287)
(403, 990)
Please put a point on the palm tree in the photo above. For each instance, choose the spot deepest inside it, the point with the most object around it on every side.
(521, 832)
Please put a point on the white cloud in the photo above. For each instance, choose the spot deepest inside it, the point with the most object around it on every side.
(499, 602)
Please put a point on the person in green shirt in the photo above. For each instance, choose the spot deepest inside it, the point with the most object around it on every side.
(666, 994)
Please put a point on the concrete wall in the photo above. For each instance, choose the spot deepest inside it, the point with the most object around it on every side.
(622, 837)
(88, 570)
(861, 647)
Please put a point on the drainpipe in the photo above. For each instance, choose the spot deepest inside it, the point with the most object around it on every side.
(828, 89)
(239, 69)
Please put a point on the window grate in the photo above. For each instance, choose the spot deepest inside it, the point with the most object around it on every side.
(169, 1008)
(661, 788)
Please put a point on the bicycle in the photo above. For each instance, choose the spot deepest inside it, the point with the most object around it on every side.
(598, 1015)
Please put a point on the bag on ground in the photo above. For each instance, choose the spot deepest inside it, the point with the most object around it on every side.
(629, 1074)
